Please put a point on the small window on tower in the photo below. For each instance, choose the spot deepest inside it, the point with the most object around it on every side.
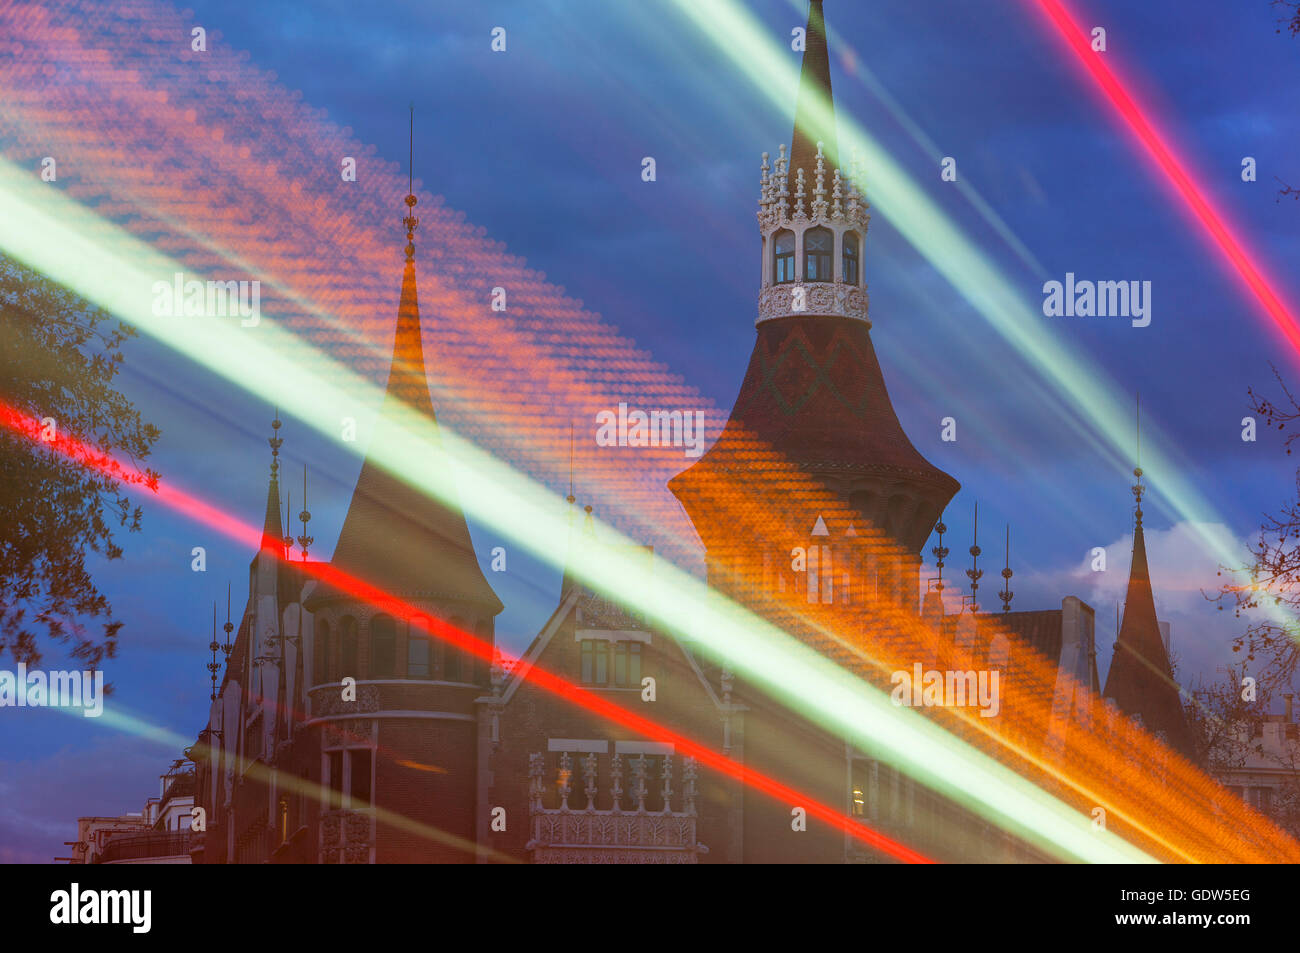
(417, 649)
(454, 660)
(383, 646)
(818, 243)
(851, 258)
(320, 651)
(334, 768)
(348, 647)
(359, 792)
(783, 258)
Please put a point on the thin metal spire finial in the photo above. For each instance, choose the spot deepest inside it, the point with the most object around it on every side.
(975, 572)
(304, 540)
(940, 552)
(228, 646)
(1006, 594)
(410, 221)
(1138, 488)
(213, 667)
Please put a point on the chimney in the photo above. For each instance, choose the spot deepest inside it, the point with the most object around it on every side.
(1289, 698)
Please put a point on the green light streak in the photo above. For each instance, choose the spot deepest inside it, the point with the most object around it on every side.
(113, 269)
(1087, 388)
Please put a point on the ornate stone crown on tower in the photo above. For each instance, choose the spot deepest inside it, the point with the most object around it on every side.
(798, 279)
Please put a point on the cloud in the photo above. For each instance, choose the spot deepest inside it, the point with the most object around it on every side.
(40, 800)
(1184, 567)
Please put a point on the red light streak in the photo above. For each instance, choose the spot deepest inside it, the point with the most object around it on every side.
(196, 509)
(1163, 156)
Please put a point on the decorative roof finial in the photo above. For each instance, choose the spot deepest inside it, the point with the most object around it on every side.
(940, 552)
(228, 646)
(276, 442)
(213, 646)
(1138, 488)
(975, 572)
(304, 540)
(410, 221)
(288, 521)
(1006, 594)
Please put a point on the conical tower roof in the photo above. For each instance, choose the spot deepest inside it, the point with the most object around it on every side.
(1140, 681)
(395, 536)
(814, 114)
(814, 398)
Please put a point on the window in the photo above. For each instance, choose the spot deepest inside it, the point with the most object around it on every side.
(595, 661)
(320, 652)
(851, 258)
(359, 793)
(818, 244)
(383, 646)
(783, 257)
(348, 646)
(454, 670)
(417, 649)
(334, 760)
(627, 664)
(348, 778)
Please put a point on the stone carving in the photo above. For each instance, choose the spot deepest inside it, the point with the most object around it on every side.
(564, 835)
(820, 298)
(328, 701)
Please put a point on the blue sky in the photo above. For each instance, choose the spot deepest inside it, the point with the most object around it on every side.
(542, 145)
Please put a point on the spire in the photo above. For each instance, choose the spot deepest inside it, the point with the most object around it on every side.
(271, 540)
(940, 553)
(213, 666)
(305, 516)
(395, 536)
(1006, 595)
(1140, 681)
(814, 114)
(975, 572)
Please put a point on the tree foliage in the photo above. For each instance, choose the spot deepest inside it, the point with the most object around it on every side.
(58, 360)
(1267, 592)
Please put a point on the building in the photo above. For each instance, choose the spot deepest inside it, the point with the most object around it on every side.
(431, 755)
(160, 834)
(1262, 766)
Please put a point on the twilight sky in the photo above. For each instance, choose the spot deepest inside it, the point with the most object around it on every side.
(541, 146)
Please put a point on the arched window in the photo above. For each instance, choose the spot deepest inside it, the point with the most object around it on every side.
(383, 646)
(783, 257)
(818, 245)
(348, 647)
(417, 649)
(481, 668)
(851, 258)
(320, 652)
(454, 669)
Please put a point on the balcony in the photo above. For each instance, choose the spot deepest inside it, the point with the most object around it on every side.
(153, 847)
(590, 835)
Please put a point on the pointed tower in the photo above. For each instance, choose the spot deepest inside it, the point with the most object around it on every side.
(813, 404)
(415, 693)
(395, 536)
(1140, 681)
